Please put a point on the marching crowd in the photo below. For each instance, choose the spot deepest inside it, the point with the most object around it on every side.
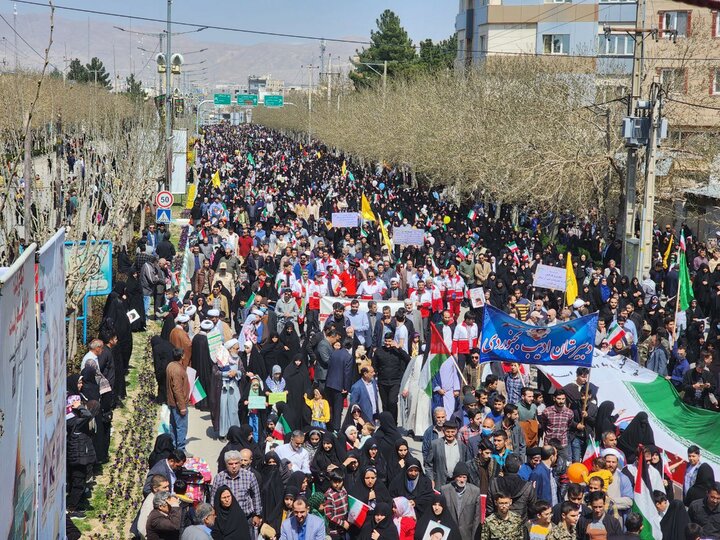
(307, 342)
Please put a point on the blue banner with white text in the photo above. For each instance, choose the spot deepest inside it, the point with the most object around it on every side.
(507, 339)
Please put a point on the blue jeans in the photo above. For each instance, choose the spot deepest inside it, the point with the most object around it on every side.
(146, 303)
(178, 427)
(576, 447)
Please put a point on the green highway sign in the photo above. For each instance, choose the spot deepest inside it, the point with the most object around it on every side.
(274, 101)
(247, 99)
(222, 99)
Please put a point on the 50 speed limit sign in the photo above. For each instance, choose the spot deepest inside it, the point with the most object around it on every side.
(164, 199)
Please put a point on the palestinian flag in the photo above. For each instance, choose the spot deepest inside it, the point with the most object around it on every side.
(643, 503)
(615, 333)
(439, 354)
(684, 284)
(198, 393)
(281, 429)
(357, 511)
(591, 452)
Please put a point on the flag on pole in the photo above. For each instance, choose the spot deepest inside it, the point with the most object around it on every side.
(512, 246)
(571, 286)
(216, 179)
(343, 170)
(365, 210)
(386, 237)
(191, 193)
(198, 393)
(668, 250)
(472, 214)
(250, 301)
(591, 452)
(357, 511)
(615, 333)
(685, 291)
(281, 429)
(251, 159)
(350, 176)
(644, 505)
(439, 354)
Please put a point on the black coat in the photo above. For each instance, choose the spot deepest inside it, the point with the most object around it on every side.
(80, 449)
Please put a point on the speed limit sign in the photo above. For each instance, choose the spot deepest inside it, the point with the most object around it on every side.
(164, 199)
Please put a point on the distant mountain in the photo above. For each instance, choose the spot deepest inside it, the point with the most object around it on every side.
(226, 63)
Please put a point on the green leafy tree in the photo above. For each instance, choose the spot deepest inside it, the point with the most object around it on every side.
(134, 88)
(440, 55)
(77, 71)
(391, 43)
(96, 73)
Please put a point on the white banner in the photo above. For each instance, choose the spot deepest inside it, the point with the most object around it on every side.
(550, 277)
(345, 219)
(409, 236)
(178, 181)
(52, 391)
(327, 301)
(18, 399)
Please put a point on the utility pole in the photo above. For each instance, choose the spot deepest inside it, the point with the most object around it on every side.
(160, 85)
(168, 101)
(629, 251)
(16, 35)
(329, 76)
(310, 89)
(648, 217)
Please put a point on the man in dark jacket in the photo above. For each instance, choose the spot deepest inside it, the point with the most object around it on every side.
(600, 519)
(390, 362)
(698, 385)
(339, 381)
(706, 512)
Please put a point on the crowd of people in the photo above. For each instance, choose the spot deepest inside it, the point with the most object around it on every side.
(320, 411)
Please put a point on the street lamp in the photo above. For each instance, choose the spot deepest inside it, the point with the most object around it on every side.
(355, 60)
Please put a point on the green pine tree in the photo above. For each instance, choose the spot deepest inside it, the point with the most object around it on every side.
(77, 71)
(134, 88)
(96, 73)
(391, 43)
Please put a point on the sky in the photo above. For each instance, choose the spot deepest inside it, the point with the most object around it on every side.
(434, 19)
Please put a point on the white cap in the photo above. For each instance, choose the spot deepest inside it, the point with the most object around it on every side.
(578, 303)
(214, 313)
(231, 343)
(191, 311)
(207, 325)
(182, 318)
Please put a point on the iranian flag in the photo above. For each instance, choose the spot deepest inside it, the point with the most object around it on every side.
(357, 511)
(643, 503)
(472, 214)
(512, 246)
(591, 452)
(281, 429)
(615, 333)
(198, 393)
(439, 354)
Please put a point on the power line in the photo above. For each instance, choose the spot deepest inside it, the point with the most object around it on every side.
(26, 42)
(698, 105)
(196, 25)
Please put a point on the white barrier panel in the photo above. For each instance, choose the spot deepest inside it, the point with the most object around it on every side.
(18, 399)
(52, 389)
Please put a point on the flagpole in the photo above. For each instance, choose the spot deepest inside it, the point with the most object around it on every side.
(677, 293)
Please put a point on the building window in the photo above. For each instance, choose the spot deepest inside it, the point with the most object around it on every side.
(616, 45)
(716, 24)
(679, 21)
(673, 79)
(481, 45)
(715, 86)
(556, 43)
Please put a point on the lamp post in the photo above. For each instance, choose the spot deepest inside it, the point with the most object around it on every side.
(355, 60)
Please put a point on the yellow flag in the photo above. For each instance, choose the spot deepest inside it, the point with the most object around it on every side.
(344, 169)
(386, 238)
(571, 289)
(216, 179)
(666, 256)
(319, 155)
(191, 193)
(365, 211)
